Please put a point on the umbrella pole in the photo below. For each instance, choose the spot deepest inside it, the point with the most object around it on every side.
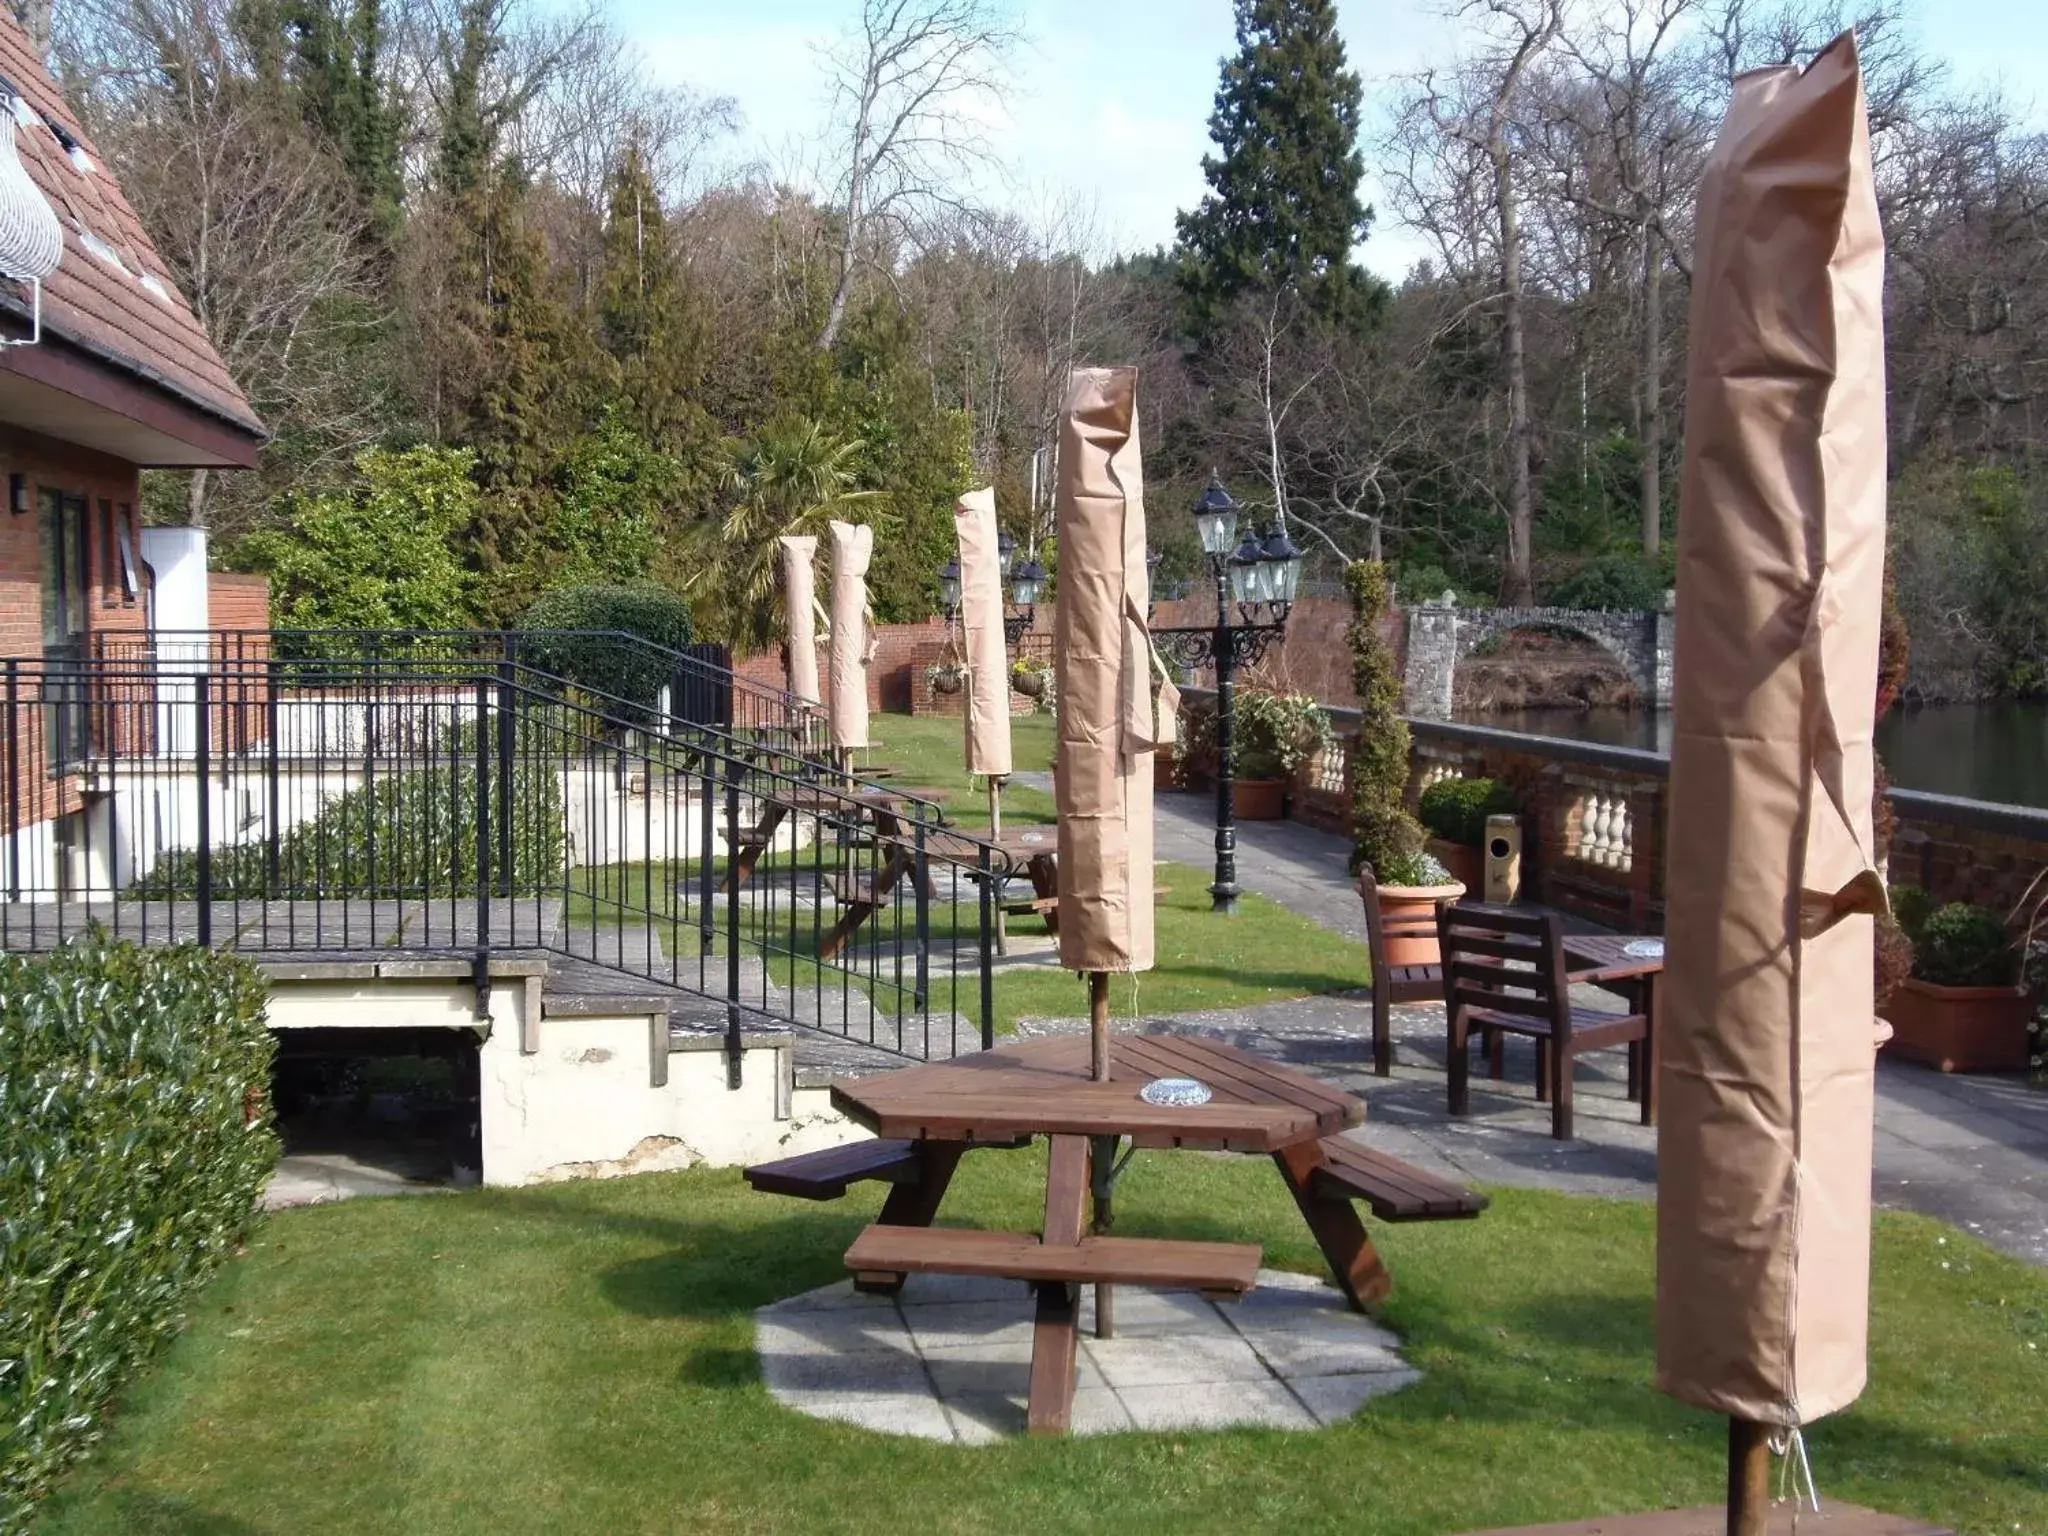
(1749, 1477)
(995, 835)
(1104, 1147)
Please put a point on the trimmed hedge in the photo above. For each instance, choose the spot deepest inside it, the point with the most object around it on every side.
(573, 633)
(130, 1168)
(1456, 809)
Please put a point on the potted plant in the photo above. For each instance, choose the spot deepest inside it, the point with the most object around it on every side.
(1275, 734)
(1962, 1008)
(1386, 840)
(947, 677)
(1454, 812)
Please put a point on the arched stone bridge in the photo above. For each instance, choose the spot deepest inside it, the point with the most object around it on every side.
(1441, 635)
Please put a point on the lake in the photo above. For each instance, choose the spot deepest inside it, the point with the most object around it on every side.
(1996, 752)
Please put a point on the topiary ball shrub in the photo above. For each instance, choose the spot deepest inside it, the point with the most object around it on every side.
(133, 1087)
(1965, 946)
(617, 642)
(1456, 809)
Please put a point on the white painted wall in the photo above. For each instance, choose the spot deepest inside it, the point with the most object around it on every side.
(178, 557)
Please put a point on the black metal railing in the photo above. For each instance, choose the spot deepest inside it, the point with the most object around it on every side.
(453, 801)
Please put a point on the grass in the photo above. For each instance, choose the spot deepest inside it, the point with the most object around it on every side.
(930, 751)
(578, 1358)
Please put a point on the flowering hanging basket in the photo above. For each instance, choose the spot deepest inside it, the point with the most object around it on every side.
(1028, 681)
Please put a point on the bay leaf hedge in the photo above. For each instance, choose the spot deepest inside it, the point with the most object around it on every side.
(133, 1096)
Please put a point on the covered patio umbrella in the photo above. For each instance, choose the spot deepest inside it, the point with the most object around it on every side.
(847, 710)
(1111, 717)
(800, 607)
(1763, 1210)
(981, 622)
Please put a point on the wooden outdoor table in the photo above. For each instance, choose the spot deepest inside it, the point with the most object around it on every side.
(885, 810)
(1043, 1087)
(1602, 960)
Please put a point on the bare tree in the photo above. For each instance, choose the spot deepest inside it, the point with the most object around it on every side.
(1458, 173)
(903, 88)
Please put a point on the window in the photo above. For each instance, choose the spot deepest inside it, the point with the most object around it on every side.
(131, 575)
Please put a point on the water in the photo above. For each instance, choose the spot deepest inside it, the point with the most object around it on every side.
(1996, 752)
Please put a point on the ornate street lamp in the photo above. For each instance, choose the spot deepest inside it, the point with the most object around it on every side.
(1261, 578)
(949, 588)
(1023, 581)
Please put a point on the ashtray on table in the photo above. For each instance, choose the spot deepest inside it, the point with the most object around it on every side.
(1174, 1092)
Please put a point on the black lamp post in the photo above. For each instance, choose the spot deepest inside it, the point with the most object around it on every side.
(1260, 577)
(1023, 580)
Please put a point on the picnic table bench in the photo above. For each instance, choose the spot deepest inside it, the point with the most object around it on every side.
(927, 1117)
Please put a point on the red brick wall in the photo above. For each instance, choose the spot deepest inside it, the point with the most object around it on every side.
(896, 672)
(237, 601)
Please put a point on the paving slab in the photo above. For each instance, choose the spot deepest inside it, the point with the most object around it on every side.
(1302, 1360)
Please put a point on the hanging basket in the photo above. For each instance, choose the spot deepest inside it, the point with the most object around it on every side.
(1029, 683)
(948, 679)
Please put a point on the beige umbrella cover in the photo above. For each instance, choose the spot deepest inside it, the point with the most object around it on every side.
(981, 621)
(800, 601)
(1110, 716)
(852, 548)
(1763, 1208)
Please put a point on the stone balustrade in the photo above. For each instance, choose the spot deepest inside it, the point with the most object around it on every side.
(1593, 818)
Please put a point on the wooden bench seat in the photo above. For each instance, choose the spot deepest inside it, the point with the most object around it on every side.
(1215, 1269)
(825, 1175)
(1396, 1191)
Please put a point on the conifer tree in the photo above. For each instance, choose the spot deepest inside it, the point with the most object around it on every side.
(647, 318)
(1282, 211)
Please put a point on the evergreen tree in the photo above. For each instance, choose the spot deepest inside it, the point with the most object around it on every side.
(336, 66)
(1282, 211)
(647, 318)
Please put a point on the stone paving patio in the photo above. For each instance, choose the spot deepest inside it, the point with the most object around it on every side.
(1972, 1150)
(949, 1359)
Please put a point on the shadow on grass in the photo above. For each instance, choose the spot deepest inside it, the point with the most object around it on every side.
(143, 1513)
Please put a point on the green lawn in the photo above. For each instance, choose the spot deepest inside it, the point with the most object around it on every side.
(577, 1358)
(930, 750)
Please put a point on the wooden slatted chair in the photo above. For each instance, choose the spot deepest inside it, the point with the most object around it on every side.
(1505, 971)
(1393, 984)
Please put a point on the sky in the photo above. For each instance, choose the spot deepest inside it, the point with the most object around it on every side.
(1108, 108)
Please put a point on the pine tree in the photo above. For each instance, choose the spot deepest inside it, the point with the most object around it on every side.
(1282, 211)
(647, 318)
(337, 51)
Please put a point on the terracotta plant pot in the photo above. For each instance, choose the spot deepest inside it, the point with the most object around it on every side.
(1259, 799)
(1466, 864)
(1960, 1029)
(1407, 902)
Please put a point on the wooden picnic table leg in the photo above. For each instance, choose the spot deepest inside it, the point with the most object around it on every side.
(1044, 870)
(1055, 1335)
(1651, 1049)
(1336, 1228)
(893, 869)
(914, 1203)
(748, 854)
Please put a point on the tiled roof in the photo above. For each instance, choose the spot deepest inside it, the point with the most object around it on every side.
(111, 295)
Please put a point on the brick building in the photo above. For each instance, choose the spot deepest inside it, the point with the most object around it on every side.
(104, 371)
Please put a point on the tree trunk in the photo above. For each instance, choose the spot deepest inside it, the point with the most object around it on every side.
(195, 498)
(1652, 393)
(1521, 588)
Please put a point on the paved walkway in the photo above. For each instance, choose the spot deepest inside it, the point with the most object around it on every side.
(1971, 1150)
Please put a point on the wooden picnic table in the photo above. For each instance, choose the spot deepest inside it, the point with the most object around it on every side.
(1604, 960)
(927, 1117)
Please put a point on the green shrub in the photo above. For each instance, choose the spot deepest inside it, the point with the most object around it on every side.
(129, 1169)
(409, 834)
(1274, 733)
(1965, 946)
(1912, 905)
(1456, 809)
(1611, 582)
(574, 633)
(1382, 831)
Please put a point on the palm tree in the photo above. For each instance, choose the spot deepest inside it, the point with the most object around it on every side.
(793, 478)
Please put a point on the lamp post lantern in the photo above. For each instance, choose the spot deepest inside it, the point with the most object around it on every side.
(1259, 577)
(1023, 580)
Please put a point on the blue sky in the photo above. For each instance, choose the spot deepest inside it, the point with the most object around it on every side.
(1110, 104)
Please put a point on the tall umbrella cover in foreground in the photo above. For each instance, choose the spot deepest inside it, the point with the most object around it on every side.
(1111, 716)
(799, 603)
(981, 624)
(1763, 1210)
(847, 710)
